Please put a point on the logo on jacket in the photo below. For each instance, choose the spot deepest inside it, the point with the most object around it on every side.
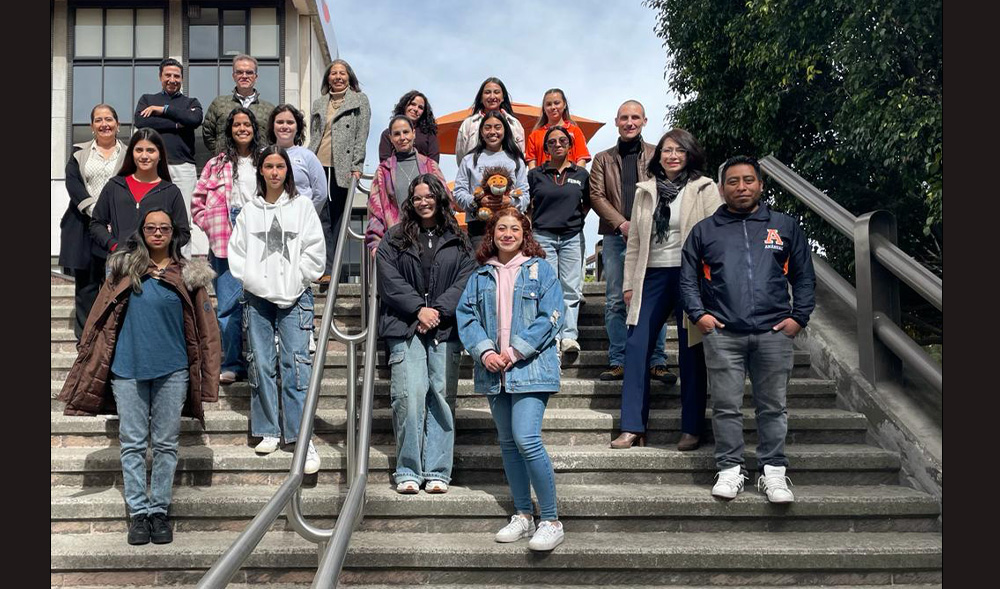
(275, 240)
(773, 241)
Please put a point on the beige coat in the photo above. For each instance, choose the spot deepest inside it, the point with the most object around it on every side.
(699, 200)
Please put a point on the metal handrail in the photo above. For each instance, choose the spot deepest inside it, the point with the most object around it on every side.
(289, 492)
(888, 255)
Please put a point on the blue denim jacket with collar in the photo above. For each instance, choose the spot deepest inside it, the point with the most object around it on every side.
(536, 319)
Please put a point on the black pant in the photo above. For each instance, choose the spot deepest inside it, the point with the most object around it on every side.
(88, 284)
(330, 218)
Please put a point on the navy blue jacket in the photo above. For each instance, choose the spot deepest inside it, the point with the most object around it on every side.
(738, 268)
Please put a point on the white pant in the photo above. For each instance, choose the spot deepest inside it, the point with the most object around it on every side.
(185, 176)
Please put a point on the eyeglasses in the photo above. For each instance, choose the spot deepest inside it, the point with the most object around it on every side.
(672, 151)
(152, 229)
(247, 73)
(560, 142)
(415, 199)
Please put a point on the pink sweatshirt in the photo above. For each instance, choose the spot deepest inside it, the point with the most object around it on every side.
(506, 277)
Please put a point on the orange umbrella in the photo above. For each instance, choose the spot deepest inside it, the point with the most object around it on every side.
(448, 124)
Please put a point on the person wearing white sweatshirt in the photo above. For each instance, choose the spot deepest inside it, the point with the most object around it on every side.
(276, 250)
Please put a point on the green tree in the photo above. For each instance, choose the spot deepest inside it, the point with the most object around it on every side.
(846, 92)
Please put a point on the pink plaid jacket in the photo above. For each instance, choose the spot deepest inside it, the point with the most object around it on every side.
(210, 203)
(383, 210)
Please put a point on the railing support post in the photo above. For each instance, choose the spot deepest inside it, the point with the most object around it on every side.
(877, 292)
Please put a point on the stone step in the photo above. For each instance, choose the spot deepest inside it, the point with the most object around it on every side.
(573, 392)
(582, 508)
(811, 464)
(571, 427)
(582, 365)
(306, 585)
(655, 558)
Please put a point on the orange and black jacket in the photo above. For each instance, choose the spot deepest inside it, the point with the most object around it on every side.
(737, 267)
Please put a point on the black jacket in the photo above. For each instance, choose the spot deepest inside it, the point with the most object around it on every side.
(76, 247)
(116, 207)
(176, 125)
(738, 268)
(402, 290)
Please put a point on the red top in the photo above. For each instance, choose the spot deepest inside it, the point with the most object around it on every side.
(139, 189)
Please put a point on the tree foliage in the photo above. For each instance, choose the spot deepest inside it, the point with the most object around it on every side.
(848, 93)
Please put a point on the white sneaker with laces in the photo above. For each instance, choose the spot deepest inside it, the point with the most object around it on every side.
(519, 527)
(267, 445)
(548, 536)
(729, 484)
(570, 346)
(775, 484)
(312, 460)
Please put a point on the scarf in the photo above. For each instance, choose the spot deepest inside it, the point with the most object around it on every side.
(666, 192)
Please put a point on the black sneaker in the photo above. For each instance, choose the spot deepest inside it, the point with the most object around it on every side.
(161, 532)
(613, 373)
(663, 374)
(138, 530)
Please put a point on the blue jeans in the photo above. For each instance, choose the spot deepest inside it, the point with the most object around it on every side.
(768, 357)
(149, 409)
(518, 418)
(613, 254)
(660, 296)
(565, 254)
(294, 326)
(228, 292)
(423, 389)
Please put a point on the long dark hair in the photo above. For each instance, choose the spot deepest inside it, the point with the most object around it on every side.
(289, 186)
(133, 259)
(529, 247)
(410, 220)
(406, 119)
(128, 164)
(543, 118)
(352, 79)
(426, 122)
(695, 155)
(508, 144)
(229, 150)
(300, 124)
(477, 104)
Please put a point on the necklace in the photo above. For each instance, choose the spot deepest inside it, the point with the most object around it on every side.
(409, 178)
(430, 237)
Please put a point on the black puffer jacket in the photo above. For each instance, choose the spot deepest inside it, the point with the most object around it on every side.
(117, 208)
(402, 290)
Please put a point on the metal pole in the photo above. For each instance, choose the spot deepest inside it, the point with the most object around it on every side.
(877, 292)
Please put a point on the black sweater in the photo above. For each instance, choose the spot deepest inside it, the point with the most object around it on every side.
(116, 207)
(559, 208)
(176, 124)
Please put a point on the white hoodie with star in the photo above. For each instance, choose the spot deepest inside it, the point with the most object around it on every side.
(277, 250)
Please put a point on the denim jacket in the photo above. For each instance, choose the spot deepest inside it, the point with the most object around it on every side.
(536, 319)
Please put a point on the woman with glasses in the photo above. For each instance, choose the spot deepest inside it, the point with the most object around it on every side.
(152, 336)
(492, 96)
(227, 182)
(423, 265)
(392, 179)
(340, 119)
(560, 201)
(143, 177)
(666, 208)
(417, 108)
(555, 111)
(90, 167)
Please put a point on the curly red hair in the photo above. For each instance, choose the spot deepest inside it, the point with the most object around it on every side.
(529, 247)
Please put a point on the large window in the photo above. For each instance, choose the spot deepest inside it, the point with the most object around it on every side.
(217, 34)
(116, 53)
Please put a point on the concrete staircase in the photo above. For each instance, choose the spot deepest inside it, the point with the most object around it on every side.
(637, 518)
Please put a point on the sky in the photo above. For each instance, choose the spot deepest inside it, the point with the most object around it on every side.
(600, 53)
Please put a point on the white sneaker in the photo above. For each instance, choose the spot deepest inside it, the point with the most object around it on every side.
(570, 346)
(775, 484)
(549, 535)
(729, 484)
(519, 527)
(267, 445)
(312, 460)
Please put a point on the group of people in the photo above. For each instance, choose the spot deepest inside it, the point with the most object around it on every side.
(506, 290)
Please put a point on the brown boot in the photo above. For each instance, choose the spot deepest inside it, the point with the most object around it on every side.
(688, 443)
(628, 439)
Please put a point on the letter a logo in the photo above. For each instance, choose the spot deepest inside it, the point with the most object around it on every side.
(773, 238)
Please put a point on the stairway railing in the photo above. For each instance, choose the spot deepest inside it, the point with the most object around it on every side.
(879, 267)
(289, 493)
